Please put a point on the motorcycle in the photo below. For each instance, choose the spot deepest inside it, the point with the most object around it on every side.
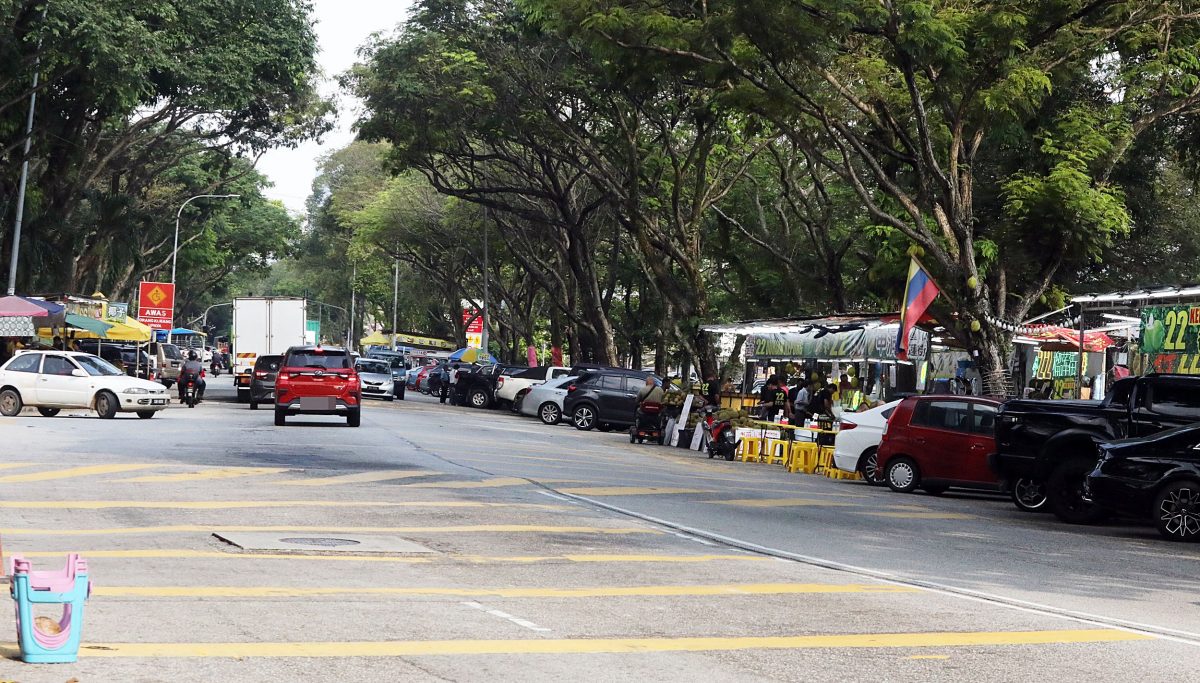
(188, 393)
(215, 368)
(722, 438)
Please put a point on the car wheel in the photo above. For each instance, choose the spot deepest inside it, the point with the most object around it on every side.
(354, 418)
(48, 412)
(604, 427)
(868, 467)
(253, 404)
(106, 405)
(280, 417)
(633, 435)
(1029, 495)
(10, 403)
(550, 413)
(1064, 493)
(243, 396)
(584, 418)
(146, 414)
(389, 399)
(401, 394)
(1177, 511)
(479, 399)
(902, 475)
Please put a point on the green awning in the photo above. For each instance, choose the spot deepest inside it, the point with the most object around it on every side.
(97, 327)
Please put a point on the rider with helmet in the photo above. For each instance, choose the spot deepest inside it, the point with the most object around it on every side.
(192, 369)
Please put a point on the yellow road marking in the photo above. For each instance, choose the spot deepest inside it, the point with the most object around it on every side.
(222, 473)
(485, 484)
(627, 490)
(88, 471)
(918, 515)
(928, 657)
(778, 502)
(240, 504)
(360, 478)
(469, 528)
(411, 648)
(595, 592)
(170, 554)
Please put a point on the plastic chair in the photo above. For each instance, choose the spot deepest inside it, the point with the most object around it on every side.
(69, 587)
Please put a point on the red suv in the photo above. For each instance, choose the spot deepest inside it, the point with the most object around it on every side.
(317, 380)
(935, 442)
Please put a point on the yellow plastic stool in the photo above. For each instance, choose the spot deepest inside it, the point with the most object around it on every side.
(775, 453)
(824, 459)
(803, 457)
(749, 448)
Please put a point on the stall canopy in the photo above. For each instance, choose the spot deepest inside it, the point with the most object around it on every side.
(95, 327)
(1051, 338)
(375, 339)
(843, 337)
(129, 330)
(44, 313)
(472, 356)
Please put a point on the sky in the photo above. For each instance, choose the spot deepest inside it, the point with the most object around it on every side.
(342, 26)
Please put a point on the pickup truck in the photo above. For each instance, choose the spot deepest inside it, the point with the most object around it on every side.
(476, 384)
(1045, 449)
(511, 389)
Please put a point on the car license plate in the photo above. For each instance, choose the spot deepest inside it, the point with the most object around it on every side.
(319, 403)
(158, 401)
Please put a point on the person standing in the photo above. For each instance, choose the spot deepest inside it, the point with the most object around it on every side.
(799, 397)
(822, 402)
(766, 399)
(712, 391)
(451, 381)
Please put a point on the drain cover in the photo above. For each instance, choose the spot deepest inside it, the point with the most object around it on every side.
(320, 542)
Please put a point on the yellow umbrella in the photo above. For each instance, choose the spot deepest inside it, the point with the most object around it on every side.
(131, 331)
(376, 338)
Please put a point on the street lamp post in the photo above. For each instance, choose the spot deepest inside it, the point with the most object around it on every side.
(175, 248)
(395, 299)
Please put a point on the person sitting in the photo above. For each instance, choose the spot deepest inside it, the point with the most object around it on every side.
(650, 393)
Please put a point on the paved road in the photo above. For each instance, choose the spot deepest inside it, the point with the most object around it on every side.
(523, 569)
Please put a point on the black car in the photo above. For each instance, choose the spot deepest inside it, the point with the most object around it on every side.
(262, 380)
(604, 399)
(476, 384)
(1155, 477)
(133, 362)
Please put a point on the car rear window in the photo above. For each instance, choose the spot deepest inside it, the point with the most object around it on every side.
(374, 366)
(612, 382)
(268, 363)
(983, 419)
(1175, 399)
(333, 360)
(171, 351)
(26, 362)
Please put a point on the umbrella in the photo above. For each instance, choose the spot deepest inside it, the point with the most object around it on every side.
(376, 338)
(80, 322)
(129, 330)
(472, 356)
(15, 306)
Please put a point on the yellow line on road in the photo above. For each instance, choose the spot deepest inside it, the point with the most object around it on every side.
(918, 515)
(928, 657)
(242, 504)
(627, 490)
(360, 478)
(185, 554)
(201, 475)
(779, 502)
(593, 592)
(412, 648)
(469, 528)
(485, 484)
(90, 470)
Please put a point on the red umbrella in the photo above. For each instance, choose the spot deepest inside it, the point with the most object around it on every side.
(15, 306)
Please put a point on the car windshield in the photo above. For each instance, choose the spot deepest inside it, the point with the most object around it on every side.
(334, 360)
(377, 367)
(97, 367)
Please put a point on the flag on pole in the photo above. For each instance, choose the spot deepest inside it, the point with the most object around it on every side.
(919, 292)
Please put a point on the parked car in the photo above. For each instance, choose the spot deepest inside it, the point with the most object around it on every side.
(545, 401)
(318, 380)
(1154, 478)
(938, 442)
(53, 380)
(604, 399)
(476, 384)
(856, 445)
(126, 358)
(1047, 448)
(511, 389)
(262, 380)
(376, 378)
(168, 360)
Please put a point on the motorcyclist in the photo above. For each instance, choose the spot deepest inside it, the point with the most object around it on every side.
(192, 369)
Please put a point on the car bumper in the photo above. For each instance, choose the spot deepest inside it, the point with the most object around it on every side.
(377, 392)
(844, 460)
(298, 406)
(1010, 466)
(137, 403)
(1132, 497)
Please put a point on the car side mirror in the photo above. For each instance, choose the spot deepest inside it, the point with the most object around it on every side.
(78, 373)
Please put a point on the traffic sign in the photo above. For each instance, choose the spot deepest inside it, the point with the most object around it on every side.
(156, 305)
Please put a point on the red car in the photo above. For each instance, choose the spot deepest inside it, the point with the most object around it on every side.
(937, 442)
(317, 380)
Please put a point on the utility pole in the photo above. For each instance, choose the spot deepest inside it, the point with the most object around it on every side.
(15, 255)
(353, 296)
(486, 276)
(175, 248)
(395, 299)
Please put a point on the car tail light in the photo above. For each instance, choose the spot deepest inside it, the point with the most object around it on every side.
(283, 377)
(500, 381)
(846, 424)
(570, 388)
(259, 373)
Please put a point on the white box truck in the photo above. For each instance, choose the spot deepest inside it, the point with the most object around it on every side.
(264, 326)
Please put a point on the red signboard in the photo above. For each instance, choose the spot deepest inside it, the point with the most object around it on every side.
(476, 325)
(156, 305)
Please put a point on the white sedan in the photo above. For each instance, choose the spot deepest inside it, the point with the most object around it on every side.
(855, 444)
(546, 400)
(53, 380)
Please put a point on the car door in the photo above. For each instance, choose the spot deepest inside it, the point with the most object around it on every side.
(22, 373)
(58, 386)
(981, 443)
(610, 395)
(1170, 404)
(939, 431)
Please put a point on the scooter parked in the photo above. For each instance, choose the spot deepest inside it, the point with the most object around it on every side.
(721, 436)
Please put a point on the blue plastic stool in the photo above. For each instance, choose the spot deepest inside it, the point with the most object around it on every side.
(69, 588)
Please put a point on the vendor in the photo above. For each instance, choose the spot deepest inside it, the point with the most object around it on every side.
(712, 391)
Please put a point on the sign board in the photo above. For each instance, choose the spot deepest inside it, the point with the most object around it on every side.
(156, 305)
(1171, 339)
(116, 312)
(877, 343)
(474, 323)
(683, 418)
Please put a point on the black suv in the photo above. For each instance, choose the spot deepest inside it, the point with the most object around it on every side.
(262, 380)
(476, 384)
(604, 399)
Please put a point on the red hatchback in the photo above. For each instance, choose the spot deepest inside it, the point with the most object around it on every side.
(315, 380)
(936, 442)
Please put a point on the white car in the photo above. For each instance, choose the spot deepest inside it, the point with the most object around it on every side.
(510, 388)
(545, 401)
(53, 380)
(854, 446)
